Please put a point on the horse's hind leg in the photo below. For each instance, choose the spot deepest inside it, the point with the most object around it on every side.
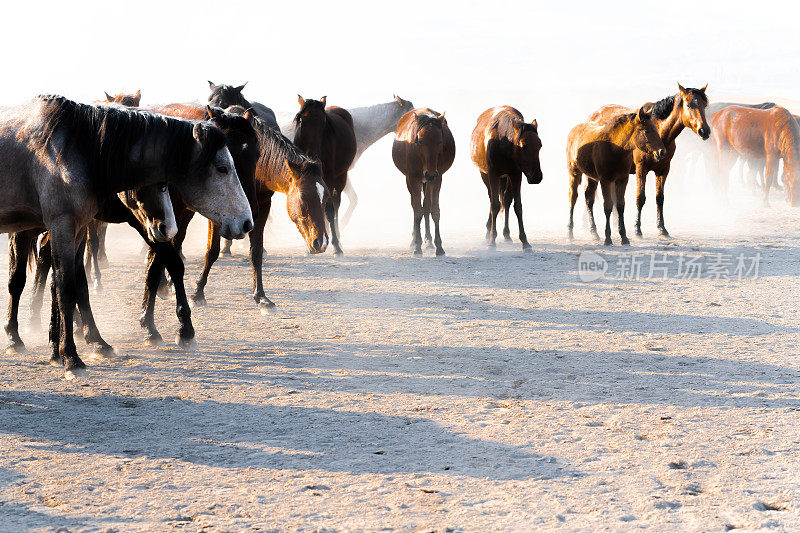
(102, 229)
(485, 178)
(90, 332)
(619, 191)
(770, 170)
(508, 197)
(574, 182)
(62, 241)
(19, 245)
(93, 251)
(590, 193)
(332, 213)
(426, 211)
(608, 207)
(212, 254)
(43, 264)
(415, 191)
(352, 202)
(495, 205)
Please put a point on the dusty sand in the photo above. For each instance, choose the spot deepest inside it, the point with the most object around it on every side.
(481, 391)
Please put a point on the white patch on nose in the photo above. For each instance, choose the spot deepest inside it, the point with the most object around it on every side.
(321, 191)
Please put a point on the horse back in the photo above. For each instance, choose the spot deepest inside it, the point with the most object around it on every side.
(185, 111)
(491, 147)
(753, 132)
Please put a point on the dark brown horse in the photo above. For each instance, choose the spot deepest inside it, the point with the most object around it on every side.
(603, 150)
(327, 134)
(283, 168)
(670, 115)
(504, 147)
(759, 134)
(128, 100)
(423, 150)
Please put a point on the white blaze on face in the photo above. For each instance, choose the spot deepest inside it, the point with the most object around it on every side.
(321, 192)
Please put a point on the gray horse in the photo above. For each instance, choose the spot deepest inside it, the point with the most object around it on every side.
(60, 159)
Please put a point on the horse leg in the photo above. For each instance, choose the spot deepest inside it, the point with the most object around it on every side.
(169, 257)
(574, 182)
(90, 332)
(608, 206)
(415, 190)
(433, 190)
(43, 264)
(331, 213)
(102, 229)
(62, 242)
(352, 202)
(426, 212)
(337, 202)
(226, 247)
(589, 194)
(92, 252)
(183, 221)
(619, 189)
(641, 180)
(494, 199)
(153, 274)
(212, 254)
(19, 245)
(770, 169)
(508, 197)
(257, 258)
(517, 192)
(661, 181)
(485, 178)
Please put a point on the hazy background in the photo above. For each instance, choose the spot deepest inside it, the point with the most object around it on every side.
(556, 62)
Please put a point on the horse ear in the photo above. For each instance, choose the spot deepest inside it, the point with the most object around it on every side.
(213, 112)
(441, 117)
(301, 100)
(138, 96)
(249, 113)
(703, 88)
(240, 87)
(199, 132)
(681, 89)
(398, 99)
(211, 85)
(535, 124)
(323, 100)
(643, 115)
(109, 98)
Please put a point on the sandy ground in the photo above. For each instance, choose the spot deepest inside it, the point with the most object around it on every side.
(480, 391)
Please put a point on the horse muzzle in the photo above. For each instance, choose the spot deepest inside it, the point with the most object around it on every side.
(534, 179)
(235, 229)
(318, 245)
(161, 231)
(704, 133)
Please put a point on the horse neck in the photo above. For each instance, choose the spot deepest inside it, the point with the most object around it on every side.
(789, 142)
(670, 127)
(371, 123)
(302, 144)
(272, 169)
(622, 135)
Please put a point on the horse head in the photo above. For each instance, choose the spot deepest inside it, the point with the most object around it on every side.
(645, 135)
(310, 125)
(694, 104)
(305, 202)
(152, 207)
(527, 145)
(224, 96)
(429, 143)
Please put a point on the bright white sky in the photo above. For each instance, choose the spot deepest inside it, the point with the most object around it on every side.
(555, 61)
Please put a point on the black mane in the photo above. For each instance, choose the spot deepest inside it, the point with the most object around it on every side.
(663, 108)
(275, 147)
(107, 137)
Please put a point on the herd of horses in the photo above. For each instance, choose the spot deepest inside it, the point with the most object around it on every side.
(68, 169)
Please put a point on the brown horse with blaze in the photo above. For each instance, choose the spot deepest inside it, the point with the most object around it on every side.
(327, 134)
(603, 150)
(762, 134)
(671, 115)
(423, 150)
(504, 147)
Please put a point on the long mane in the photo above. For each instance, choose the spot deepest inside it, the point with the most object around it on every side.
(664, 107)
(277, 149)
(110, 138)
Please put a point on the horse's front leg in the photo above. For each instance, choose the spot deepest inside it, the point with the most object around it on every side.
(608, 206)
(517, 193)
(19, 245)
(770, 170)
(257, 258)
(433, 189)
(485, 178)
(43, 264)
(661, 181)
(508, 197)
(90, 332)
(574, 183)
(93, 251)
(641, 181)
(168, 256)
(333, 220)
(620, 184)
(226, 248)
(494, 206)
(212, 254)
(154, 272)
(62, 242)
(589, 194)
(426, 213)
(415, 191)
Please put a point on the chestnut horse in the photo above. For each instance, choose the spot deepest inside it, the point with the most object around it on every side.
(603, 150)
(128, 100)
(503, 148)
(423, 150)
(670, 115)
(762, 134)
(282, 167)
(327, 134)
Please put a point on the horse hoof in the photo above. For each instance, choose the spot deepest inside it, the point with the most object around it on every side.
(608, 242)
(664, 233)
(507, 238)
(440, 252)
(625, 241)
(338, 253)
(103, 350)
(199, 300)
(638, 233)
(430, 246)
(154, 339)
(103, 262)
(97, 287)
(186, 344)
(16, 347)
(55, 361)
(75, 373)
(527, 247)
(417, 253)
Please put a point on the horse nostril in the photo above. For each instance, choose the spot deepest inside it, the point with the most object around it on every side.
(162, 228)
(247, 226)
(317, 243)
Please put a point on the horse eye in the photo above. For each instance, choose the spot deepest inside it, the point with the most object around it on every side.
(222, 170)
(163, 187)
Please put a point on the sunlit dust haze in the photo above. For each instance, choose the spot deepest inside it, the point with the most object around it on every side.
(556, 62)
